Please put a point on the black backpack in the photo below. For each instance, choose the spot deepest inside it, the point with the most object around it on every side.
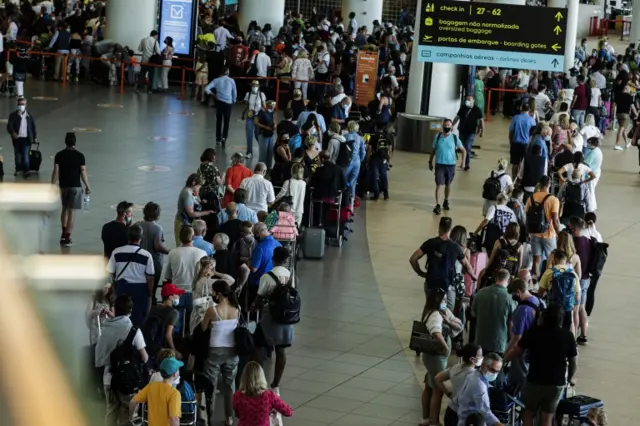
(127, 368)
(345, 154)
(599, 254)
(492, 187)
(574, 202)
(154, 334)
(537, 222)
(512, 264)
(539, 308)
(284, 302)
(382, 146)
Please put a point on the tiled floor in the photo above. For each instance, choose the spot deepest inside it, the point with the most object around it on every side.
(348, 365)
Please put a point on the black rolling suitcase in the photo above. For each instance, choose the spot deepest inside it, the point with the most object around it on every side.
(35, 157)
(576, 408)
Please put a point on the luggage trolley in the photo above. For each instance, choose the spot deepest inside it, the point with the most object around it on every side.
(187, 419)
(335, 205)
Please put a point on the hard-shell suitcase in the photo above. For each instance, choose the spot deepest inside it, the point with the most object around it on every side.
(313, 243)
(576, 407)
(35, 157)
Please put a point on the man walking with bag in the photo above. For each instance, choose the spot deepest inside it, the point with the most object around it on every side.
(22, 128)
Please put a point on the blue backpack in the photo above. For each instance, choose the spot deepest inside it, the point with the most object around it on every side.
(295, 142)
(562, 289)
(187, 395)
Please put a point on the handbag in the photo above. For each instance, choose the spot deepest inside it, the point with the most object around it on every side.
(156, 58)
(244, 338)
(422, 341)
(287, 198)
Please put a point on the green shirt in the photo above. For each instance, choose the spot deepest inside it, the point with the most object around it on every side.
(492, 308)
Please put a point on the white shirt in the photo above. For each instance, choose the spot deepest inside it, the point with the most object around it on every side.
(337, 98)
(181, 266)
(24, 131)
(589, 132)
(296, 189)
(149, 46)
(255, 101)
(12, 33)
(267, 283)
(583, 170)
(601, 81)
(434, 321)
(140, 267)
(591, 232)
(221, 34)
(263, 62)
(595, 97)
(502, 214)
(353, 26)
(324, 59)
(259, 192)
(541, 101)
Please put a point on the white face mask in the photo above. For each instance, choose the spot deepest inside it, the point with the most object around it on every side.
(176, 301)
(479, 361)
(467, 104)
(254, 90)
(547, 138)
(176, 381)
(22, 108)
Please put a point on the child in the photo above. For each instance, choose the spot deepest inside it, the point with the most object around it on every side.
(596, 417)
(254, 402)
(161, 356)
(202, 77)
(100, 308)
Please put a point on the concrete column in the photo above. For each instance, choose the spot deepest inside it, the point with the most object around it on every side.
(128, 21)
(446, 80)
(557, 3)
(262, 11)
(366, 12)
(635, 22)
(572, 33)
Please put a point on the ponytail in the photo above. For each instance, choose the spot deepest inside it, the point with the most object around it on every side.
(222, 288)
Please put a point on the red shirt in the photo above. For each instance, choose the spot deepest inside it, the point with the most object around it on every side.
(581, 102)
(233, 178)
(239, 55)
(255, 411)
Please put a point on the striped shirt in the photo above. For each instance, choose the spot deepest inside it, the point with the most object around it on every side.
(140, 264)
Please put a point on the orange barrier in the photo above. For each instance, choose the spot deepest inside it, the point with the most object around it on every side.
(488, 111)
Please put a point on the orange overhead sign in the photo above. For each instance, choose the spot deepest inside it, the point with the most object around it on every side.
(366, 76)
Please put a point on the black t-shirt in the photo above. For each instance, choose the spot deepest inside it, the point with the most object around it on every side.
(549, 350)
(623, 102)
(224, 261)
(286, 126)
(266, 119)
(232, 229)
(70, 162)
(435, 249)
(114, 235)
(469, 118)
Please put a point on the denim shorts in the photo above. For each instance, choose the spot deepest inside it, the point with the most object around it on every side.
(584, 286)
(542, 246)
(445, 174)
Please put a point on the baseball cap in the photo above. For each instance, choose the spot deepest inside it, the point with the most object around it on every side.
(170, 289)
(123, 206)
(169, 366)
(255, 83)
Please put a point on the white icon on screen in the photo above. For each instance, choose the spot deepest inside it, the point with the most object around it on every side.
(177, 11)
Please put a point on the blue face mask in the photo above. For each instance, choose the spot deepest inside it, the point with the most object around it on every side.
(491, 377)
(443, 306)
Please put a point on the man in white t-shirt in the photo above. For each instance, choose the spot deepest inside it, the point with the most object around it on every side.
(259, 190)
(262, 61)
(542, 100)
(115, 332)
(500, 215)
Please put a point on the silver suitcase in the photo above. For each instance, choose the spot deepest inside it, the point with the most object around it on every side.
(313, 243)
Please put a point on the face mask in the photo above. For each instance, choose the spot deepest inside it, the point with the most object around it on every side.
(128, 219)
(176, 381)
(479, 361)
(21, 108)
(249, 238)
(547, 138)
(254, 90)
(467, 104)
(446, 129)
(491, 377)
(176, 301)
(515, 299)
(443, 306)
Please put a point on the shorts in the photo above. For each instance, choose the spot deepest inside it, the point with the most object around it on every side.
(517, 152)
(71, 198)
(584, 286)
(623, 120)
(445, 174)
(434, 365)
(542, 246)
(541, 397)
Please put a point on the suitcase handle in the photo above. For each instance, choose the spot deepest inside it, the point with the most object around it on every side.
(37, 144)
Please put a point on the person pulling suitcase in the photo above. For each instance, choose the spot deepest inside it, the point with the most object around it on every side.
(21, 127)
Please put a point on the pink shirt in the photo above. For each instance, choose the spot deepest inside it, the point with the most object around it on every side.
(255, 411)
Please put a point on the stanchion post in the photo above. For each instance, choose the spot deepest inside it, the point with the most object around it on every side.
(277, 93)
(65, 62)
(182, 84)
(488, 113)
(122, 77)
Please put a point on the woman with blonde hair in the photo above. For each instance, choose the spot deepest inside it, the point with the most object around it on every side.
(565, 244)
(596, 417)
(297, 104)
(358, 154)
(506, 183)
(562, 98)
(533, 112)
(295, 189)
(302, 72)
(561, 133)
(590, 129)
(311, 159)
(254, 402)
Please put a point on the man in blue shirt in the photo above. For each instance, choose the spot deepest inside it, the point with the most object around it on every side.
(226, 95)
(199, 230)
(311, 109)
(473, 396)
(245, 214)
(519, 134)
(261, 258)
(444, 149)
(339, 112)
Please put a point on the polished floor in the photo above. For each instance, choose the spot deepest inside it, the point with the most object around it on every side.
(349, 364)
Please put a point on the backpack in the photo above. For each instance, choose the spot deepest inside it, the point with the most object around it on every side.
(492, 187)
(599, 253)
(345, 154)
(127, 369)
(512, 264)
(562, 289)
(154, 334)
(537, 222)
(539, 309)
(284, 302)
(187, 395)
(295, 142)
(382, 147)
(441, 272)
(574, 202)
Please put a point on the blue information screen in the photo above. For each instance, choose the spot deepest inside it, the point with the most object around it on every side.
(176, 21)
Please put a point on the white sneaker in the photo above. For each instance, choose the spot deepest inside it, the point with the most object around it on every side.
(628, 145)
(248, 155)
(618, 148)
(276, 390)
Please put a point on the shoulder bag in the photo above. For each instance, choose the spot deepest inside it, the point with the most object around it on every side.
(155, 58)
(422, 341)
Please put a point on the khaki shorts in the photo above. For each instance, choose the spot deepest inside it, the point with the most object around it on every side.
(541, 397)
(623, 120)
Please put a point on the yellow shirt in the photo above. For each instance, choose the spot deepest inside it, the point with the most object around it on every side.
(545, 280)
(163, 401)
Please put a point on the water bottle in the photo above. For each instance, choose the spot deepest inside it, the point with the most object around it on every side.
(85, 203)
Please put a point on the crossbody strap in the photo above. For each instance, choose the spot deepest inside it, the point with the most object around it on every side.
(126, 265)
